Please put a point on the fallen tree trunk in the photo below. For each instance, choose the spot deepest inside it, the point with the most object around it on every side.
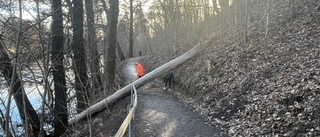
(143, 80)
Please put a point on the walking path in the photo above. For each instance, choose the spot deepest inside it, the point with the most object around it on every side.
(160, 114)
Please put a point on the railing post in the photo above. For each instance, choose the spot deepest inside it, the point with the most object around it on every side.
(129, 130)
(132, 98)
(127, 123)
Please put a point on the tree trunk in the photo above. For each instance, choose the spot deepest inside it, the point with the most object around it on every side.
(19, 94)
(143, 21)
(266, 52)
(3, 125)
(143, 80)
(131, 31)
(235, 4)
(47, 94)
(293, 7)
(60, 107)
(93, 55)
(80, 66)
(120, 53)
(245, 21)
(28, 115)
(111, 46)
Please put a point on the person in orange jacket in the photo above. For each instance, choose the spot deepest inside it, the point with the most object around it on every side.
(140, 70)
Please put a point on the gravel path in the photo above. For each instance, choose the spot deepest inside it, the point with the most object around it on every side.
(159, 114)
(163, 115)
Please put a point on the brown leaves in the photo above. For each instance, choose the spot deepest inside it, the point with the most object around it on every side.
(254, 93)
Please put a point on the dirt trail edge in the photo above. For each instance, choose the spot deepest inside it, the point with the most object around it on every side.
(162, 114)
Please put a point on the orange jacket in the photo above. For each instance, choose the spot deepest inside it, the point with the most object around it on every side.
(140, 70)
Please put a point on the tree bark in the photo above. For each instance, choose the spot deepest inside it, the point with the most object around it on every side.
(111, 46)
(245, 21)
(143, 80)
(293, 7)
(60, 107)
(120, 53)
(131, 31)
(80, 67)
(3, 125)
(94, 55)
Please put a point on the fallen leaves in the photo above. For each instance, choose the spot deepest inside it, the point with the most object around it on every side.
(253, 94)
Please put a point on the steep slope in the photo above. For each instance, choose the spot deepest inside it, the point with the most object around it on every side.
(267, 86)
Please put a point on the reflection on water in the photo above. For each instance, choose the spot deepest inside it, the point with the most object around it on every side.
(33, 85)
(33, 95)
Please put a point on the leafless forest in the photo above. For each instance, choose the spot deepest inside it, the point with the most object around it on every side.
(249, 79)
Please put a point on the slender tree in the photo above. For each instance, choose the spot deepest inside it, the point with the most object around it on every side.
(29, 117)
(245, 21)
(60, 107)
(80, 68)
(131, 31)
(3, 124)
(120, 53)
(94, 55)
(26, 111)
(45, 71)
(111, 45)
(293, 7)
(142, 24)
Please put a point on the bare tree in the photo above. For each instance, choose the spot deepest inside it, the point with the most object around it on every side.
(110, 61)
(80, 69)
(120, 53)
(27, 113)
(60, 107)
(45, 60)
(143, 28)
(294, 9)
(131, 31)
(93, 55)
(3, 123)
(266, 54)
(246, 20)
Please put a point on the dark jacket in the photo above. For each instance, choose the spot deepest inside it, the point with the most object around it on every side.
(169, 76)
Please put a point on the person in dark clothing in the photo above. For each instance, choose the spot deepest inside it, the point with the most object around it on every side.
(168, 79)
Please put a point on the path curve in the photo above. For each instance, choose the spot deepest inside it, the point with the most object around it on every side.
(159, 114)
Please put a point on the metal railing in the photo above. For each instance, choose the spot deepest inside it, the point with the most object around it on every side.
(128, 120)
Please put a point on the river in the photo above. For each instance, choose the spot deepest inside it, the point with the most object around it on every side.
(34, 88)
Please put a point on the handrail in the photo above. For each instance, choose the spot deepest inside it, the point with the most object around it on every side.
(128, 119)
